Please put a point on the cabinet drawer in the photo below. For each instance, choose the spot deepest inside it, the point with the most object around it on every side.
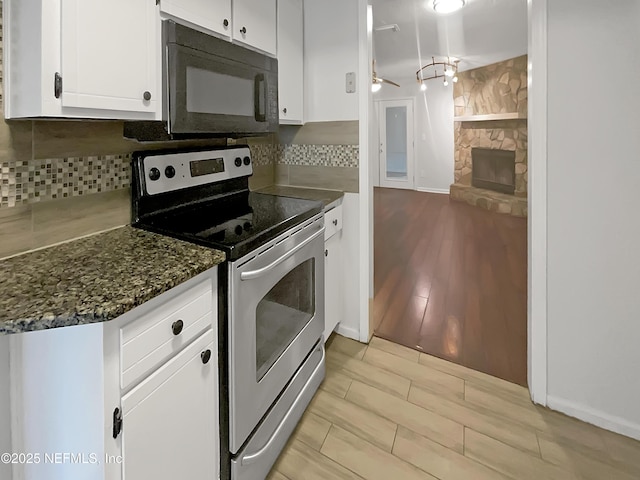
(160, 334)
(332, 222)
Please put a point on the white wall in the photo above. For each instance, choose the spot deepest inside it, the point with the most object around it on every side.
(594, 211)
(433, 132)
(350, 323)
(330, 51)
(5, 410)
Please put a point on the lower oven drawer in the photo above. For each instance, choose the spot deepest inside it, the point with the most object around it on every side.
(255, 460)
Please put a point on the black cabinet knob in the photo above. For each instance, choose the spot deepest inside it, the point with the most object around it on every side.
(147, 96)
(154, 174)
(284, 110)
(243, 30)
(225, 22)
(238, 162)
(170, 172)
(205, 356)
(247, 160)
(177, 327)
(326, 253)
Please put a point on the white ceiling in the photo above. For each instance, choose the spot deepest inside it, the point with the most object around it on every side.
(481, 33)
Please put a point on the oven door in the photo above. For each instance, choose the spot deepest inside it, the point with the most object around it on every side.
(276, 318)
(215, 94)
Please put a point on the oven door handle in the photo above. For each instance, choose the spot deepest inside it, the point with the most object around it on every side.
(262, 271)
(252, 458)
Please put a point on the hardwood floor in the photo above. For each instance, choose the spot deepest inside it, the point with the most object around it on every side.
(451, 280)
(386, 412)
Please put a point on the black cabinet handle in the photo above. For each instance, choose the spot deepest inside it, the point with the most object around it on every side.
(243, 30)
(326, 253)
(147, 96)
(284, 110)
(177, 327)
(335, 222)
(205, 356)
(225, 22)
(117, 422)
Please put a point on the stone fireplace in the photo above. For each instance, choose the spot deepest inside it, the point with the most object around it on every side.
(490, 133)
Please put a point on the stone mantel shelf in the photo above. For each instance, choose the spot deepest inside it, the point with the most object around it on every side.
(488, 118)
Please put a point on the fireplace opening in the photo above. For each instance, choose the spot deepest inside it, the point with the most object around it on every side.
(494, 169)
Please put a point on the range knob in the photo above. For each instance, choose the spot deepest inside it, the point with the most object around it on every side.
(170, 172)
(238, 162)
(154, 174)
(247, 160)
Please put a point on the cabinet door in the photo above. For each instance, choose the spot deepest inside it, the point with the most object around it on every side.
(333, 290)
(290, 61)
(170, 421)
(214, 15)
(110, 51)
(254, 24)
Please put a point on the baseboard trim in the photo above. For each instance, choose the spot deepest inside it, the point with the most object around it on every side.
(348, 332)
(595, 417)
(444, 191)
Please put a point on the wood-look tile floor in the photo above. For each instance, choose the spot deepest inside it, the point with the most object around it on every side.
(387, 412)
(451, 280)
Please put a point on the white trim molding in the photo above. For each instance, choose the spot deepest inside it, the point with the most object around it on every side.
(444, 191)
(537, 227)
(350, 332)
(365, 29)
(595, 417)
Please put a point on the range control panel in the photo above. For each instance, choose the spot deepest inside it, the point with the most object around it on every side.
(175, 171)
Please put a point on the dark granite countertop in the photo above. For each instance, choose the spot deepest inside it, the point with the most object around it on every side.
(95, 279)
(319, 195)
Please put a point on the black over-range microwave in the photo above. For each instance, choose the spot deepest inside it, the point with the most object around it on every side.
(211, 88)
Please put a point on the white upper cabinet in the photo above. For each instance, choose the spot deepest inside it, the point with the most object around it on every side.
(109, 55)
(291, 61)
(214, 15)
(254, 24)
(82, 59)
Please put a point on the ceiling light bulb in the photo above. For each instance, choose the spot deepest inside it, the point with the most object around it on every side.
(423, 86)
(446, 83)
(375, 86)
(447, 6)
(455, 79)
(449, 72)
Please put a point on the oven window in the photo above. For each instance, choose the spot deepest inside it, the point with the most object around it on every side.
(283, 313)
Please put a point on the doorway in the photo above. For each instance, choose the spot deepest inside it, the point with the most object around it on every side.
(395, 133)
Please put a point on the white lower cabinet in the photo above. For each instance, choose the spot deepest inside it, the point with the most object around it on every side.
(333, 273)
(170, 421)
(82, 401)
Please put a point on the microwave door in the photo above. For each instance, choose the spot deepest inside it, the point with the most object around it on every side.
(211, 94)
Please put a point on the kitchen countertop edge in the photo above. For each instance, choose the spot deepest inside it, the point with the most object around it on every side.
(39, 293)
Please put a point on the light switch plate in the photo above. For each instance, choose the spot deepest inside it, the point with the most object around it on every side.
(351, 82)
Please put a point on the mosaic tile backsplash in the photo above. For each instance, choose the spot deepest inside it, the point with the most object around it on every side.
(319, 155)
(23, 182)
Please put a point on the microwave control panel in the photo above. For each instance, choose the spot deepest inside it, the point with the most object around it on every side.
(176, 171)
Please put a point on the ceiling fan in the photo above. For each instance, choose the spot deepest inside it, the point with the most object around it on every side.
(378, 81)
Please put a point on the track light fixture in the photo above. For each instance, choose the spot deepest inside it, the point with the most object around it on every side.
(445, 69)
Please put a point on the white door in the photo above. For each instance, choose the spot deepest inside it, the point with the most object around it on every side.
(109, 55)
(254, 24)
(214, 15)
(170, 421)
(290, 61)
(396, 143)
